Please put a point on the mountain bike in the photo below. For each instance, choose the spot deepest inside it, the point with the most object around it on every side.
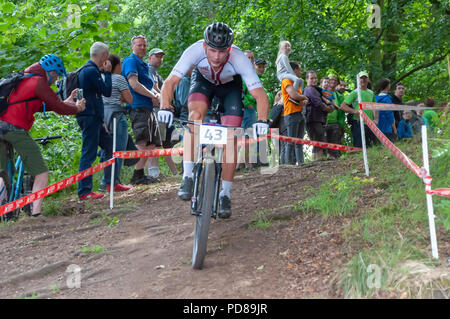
(15, 182)
(207, 173)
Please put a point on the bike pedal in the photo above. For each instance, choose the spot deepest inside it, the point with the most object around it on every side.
(194, 213)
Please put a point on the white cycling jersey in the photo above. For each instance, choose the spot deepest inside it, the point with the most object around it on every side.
(237, 64)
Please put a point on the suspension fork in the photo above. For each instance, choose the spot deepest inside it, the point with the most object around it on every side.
(218, 164)
(197, 171)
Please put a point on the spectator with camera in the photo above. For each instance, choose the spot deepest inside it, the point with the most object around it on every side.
(94, 131)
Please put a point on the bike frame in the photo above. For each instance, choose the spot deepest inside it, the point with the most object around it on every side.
(17, 182)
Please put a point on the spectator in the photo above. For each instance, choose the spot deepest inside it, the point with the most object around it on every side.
(155, 59)
(397, 99)
(316, 113)
(260, 66)
(94, 131)
(114, 108)
(420, 115)
(324, 82)
(181, 103)
(249, 118)
(342, 88)
(294, 121)
(261, 148)
(404, 126)
(334, 130)
(284, 70)
(182, 94)
(386, 120)
(415, 121)
(143, 120)
(15, 122)
(430, 116)
(276, 111)
(350, 105)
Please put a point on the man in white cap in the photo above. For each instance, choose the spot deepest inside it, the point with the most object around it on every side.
(155, 60)
(350, 105)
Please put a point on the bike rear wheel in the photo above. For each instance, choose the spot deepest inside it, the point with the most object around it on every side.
(206, 196)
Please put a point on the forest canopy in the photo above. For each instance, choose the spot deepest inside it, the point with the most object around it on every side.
(402, 40)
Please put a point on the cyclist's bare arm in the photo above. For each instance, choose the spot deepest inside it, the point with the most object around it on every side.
(168, 90)
(262, 103)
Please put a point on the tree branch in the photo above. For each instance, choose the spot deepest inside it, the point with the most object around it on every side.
(423, 66)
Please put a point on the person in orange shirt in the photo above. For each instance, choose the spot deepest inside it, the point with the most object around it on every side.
(293, 117)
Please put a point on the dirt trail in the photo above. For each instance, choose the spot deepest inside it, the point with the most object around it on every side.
(147, 252)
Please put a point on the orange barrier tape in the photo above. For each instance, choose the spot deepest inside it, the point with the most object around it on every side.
(53, 188)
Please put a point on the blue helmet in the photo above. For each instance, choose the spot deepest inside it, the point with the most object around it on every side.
(51, 62)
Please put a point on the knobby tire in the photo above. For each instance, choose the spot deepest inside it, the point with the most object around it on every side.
(206, 194)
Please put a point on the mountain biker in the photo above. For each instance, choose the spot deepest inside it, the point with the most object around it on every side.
(220, 69)
(33, 95)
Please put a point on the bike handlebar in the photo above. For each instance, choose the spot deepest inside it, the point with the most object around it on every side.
(184, 122)
(45, 140)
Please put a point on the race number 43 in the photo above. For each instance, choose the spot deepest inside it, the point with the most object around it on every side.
(213, 134)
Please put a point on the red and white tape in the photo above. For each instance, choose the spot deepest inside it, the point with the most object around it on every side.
(152, 153)
(372, 106)
(420, 172)
(315, 143)
(391, 147)
(53, 188)
(439, 191)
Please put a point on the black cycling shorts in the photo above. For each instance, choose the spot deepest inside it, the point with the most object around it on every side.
(229, 95)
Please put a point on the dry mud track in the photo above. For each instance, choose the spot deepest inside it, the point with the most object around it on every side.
(147, 252)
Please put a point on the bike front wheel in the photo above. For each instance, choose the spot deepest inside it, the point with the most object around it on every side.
(206, 197)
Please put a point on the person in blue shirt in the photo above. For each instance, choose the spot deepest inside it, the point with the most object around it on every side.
(94, 132)
(404, 126)
(386, 119)
(143, 120)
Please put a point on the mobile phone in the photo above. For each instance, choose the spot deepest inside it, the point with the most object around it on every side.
(80, 94)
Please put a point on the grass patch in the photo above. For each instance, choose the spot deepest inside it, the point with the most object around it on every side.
(96, 249)
(336, 197)
(261, 222)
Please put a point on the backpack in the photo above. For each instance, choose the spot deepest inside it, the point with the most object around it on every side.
(9, 84)
(68, 84)
(275, 115)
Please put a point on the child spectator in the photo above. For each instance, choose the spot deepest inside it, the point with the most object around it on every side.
(416, 121)
(284, 70)
(404, 126)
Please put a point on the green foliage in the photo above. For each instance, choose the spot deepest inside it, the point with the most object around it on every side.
(30, 29)
(62, 156)
(324, 35)
(334, 198)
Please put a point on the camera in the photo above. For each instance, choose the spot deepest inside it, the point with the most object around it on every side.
(79, 95)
